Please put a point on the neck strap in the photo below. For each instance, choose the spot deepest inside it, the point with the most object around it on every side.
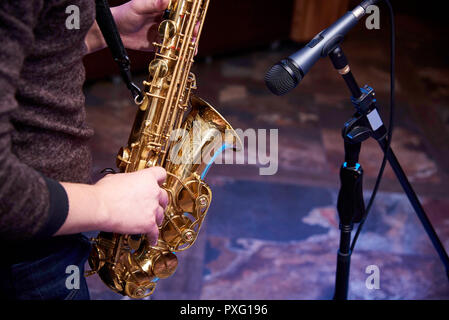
(111, 35)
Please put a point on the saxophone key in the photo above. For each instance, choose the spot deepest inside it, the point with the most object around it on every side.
(153, 95)
(167, 29)
(158, 68)
(164, 264)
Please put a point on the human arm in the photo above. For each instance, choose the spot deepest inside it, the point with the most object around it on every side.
(24, 193)
(131, 203)
(33, 206)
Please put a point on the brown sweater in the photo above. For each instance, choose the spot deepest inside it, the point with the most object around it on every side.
(43, 131)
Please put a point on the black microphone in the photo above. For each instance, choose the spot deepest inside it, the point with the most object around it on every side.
(286, 75)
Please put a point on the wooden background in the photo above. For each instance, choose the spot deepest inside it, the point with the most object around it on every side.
(311, 16)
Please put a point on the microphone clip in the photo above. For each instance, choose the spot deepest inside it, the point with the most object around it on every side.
(365, 102)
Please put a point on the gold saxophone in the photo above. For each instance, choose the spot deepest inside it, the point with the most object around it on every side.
(175, 130)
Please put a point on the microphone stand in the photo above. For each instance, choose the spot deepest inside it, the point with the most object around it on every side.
(364, 124)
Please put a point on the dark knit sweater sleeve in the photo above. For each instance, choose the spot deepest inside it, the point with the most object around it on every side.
(31, 205)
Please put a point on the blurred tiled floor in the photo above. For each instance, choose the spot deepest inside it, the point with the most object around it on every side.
(275, 237)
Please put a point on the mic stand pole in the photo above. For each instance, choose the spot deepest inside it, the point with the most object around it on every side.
(350, 207)
(365, 123)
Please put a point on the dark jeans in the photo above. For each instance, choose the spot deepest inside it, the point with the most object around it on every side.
(45, 270)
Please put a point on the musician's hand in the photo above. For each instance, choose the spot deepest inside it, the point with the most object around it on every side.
(128, 203)
(138, 22)
(133, 203)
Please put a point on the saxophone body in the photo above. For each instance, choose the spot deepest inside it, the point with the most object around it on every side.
(173, 129)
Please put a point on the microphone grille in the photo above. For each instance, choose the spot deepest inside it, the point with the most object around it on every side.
(282, 77)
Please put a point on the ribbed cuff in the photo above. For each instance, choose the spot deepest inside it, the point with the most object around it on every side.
(58, 209)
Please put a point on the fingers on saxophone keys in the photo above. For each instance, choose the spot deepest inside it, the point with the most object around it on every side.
(196, 30)
(163, 198)
(159, 174)
(153, 235)
(195, 36)
(159, 216)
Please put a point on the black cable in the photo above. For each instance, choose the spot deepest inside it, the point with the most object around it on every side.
(390, 126)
